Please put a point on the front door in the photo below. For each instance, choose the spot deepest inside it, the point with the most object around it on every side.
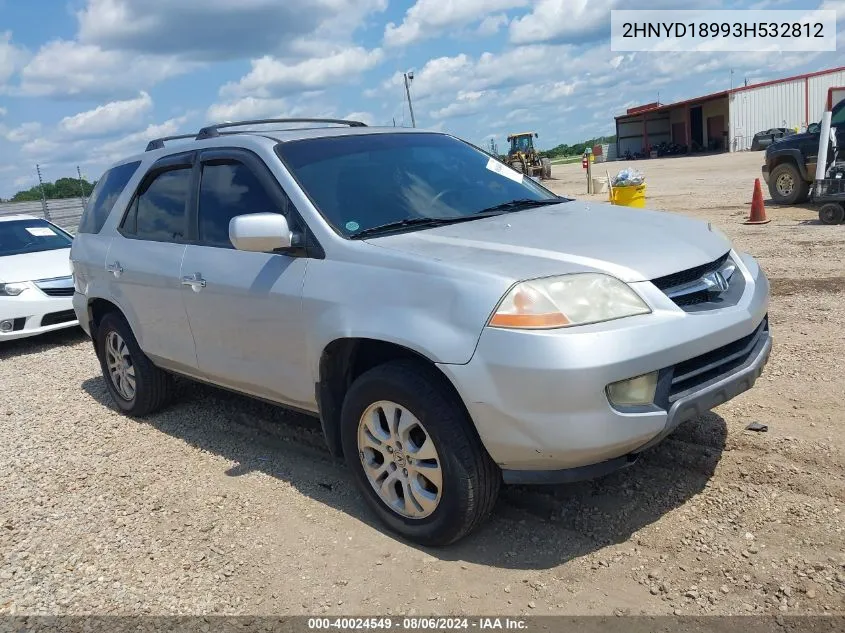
(144, 260)
(244, 308)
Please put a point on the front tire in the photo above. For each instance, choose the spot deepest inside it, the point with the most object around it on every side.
(136, 385)
(786, 186)
(546, 168)
(414, 454)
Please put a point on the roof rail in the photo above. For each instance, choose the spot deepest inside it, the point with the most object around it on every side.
(212, 131)
(158, 143)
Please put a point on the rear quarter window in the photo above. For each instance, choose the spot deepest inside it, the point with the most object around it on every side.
(105, 194)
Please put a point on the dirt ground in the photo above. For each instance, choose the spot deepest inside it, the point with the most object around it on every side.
(221, 504)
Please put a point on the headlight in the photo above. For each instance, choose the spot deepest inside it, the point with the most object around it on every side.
(13, 289)
(566, 301)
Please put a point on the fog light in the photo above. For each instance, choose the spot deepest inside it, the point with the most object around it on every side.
(634, 391)
(7, 325)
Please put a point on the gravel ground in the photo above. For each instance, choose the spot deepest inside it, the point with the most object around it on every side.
(226, 505)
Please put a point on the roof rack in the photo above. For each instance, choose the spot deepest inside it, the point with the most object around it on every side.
(212, 131)
(158, 143)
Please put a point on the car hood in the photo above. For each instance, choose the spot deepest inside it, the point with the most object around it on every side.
(795, 140)
(633, 245)
(32, 266)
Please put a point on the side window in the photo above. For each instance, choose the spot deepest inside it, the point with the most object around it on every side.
(105, 194)
(837, 119)
(158, 211)
(228, 189)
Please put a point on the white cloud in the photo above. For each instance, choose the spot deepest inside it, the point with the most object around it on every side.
(466, 104)
(491, 24)
(67, 68)
(11, 57)
(218, 29)
(21, 133)
(136, 142)
(273, 77)
(553, 19)
(3, 111)
(115, 116)
(429, 18)
(247, 108)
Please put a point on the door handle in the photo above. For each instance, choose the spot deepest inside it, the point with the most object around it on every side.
(195, 281)
(115, 268)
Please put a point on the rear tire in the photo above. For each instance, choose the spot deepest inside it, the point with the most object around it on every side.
(137, 386)
(832, 213)
(547, 168)
(786, 186)
(429, 411)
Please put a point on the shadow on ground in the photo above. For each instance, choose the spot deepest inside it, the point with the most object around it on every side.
(532, 527)
(41, 343)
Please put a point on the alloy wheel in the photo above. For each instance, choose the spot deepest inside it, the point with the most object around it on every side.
(400, 460)
(120, 366)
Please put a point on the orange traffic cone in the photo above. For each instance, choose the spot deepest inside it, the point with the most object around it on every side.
(758, 209)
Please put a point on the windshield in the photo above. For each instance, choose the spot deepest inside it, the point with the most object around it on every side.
(522, 143)
(31, 236)
(364, 181)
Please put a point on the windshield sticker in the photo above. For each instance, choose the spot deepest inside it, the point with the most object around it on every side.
(40, 231)
(352, 226)
(503, 170)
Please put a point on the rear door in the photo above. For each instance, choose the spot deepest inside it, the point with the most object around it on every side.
(244, 308)
(88, 253)
(145, 258)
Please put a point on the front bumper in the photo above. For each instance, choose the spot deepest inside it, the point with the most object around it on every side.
(538, 397)
(35, 313)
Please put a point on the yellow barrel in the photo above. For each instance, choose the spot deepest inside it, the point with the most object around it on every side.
(631, 196)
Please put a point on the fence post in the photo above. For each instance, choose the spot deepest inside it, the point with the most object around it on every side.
(44, 209)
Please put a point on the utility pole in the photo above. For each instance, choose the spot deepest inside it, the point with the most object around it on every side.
(81, 186)
(44, 209)
(409, 77)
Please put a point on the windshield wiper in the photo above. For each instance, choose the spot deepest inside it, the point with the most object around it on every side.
(521, 203)
(410, 222)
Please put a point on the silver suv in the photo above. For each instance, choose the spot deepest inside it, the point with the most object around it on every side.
(454, 324)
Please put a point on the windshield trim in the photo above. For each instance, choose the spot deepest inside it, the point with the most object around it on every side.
(277, 150)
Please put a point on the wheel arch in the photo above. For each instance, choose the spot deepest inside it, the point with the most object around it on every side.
(343, 360)
(793, 157)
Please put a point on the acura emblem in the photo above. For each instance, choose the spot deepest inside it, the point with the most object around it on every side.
(715, 282)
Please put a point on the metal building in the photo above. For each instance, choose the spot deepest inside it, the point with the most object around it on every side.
(728, 120)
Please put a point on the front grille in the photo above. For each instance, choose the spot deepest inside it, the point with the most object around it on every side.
(692, 373)
(57, 286)
(58, 292)
(690, 274)
(693, 298)
(55, 318)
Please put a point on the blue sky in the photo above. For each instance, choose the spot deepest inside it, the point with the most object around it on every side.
(87, 82)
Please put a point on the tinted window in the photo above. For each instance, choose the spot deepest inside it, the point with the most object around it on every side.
(228, 189)
(30, 236)
(159, 210)
(838, 116)
(363, 181)
(105, 194)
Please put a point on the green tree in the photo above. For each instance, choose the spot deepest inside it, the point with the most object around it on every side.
(59, 190)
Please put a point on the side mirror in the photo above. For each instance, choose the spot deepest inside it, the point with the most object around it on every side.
(260, 232)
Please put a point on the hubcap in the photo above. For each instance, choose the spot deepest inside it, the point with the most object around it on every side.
(400, 460)
(121, 368)
(785, 183)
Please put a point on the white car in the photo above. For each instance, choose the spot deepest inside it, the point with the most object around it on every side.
(36, 284)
